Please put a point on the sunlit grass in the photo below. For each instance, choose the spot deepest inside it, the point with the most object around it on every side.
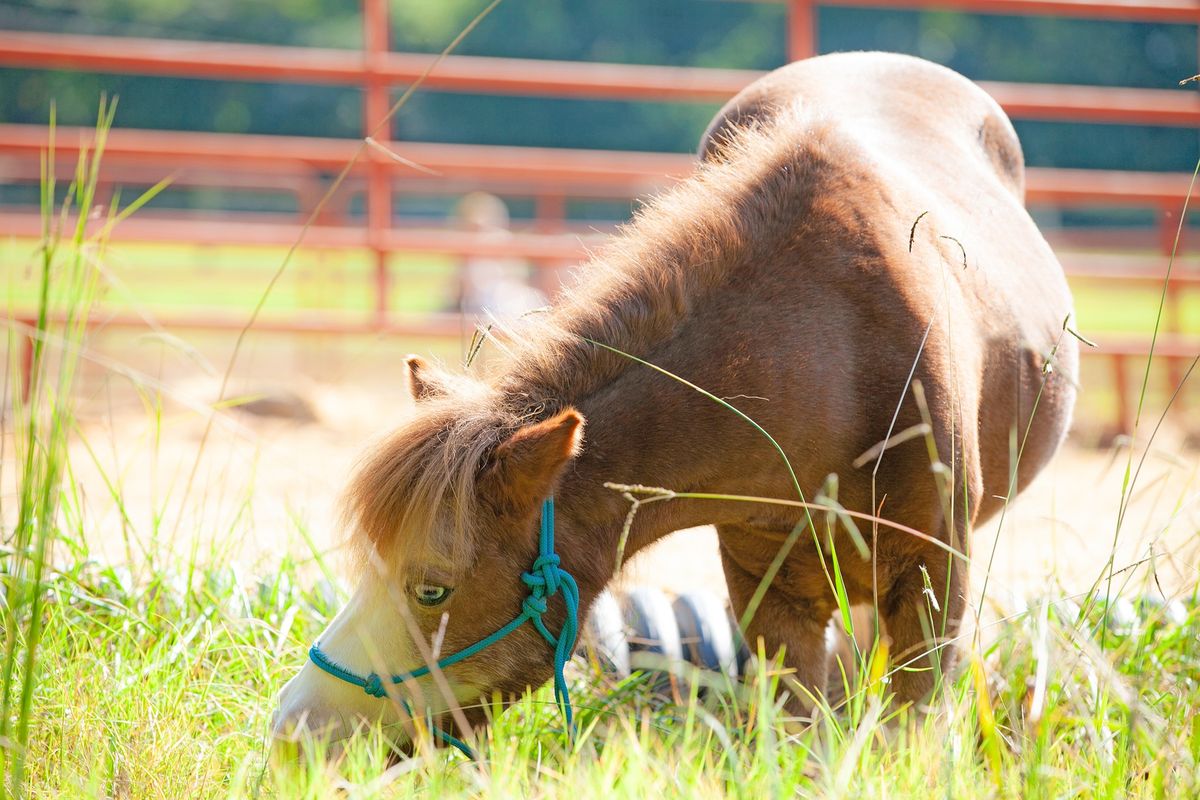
(162, 688)
(177, 278)
(1130, 310)
(227, 280)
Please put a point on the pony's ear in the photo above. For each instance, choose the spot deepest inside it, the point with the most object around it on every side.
(523, 468)
(424, 380)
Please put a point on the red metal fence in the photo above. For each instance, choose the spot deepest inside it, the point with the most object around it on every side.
(549, 176)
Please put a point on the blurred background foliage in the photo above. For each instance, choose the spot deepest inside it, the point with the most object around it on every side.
(711, 33)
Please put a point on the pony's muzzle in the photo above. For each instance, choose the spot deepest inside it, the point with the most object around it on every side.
(294, 733)
(312, 714)
(317, 714)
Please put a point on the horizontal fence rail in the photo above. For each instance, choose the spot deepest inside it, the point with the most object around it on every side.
(542, 78)
(1176, 11)
(581, 173)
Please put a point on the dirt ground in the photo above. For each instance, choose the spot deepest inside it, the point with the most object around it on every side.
(266, 487)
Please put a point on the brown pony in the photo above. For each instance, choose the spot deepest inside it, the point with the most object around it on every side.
(856, 226)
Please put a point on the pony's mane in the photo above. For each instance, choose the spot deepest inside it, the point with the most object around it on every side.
(416, 491)
(738, 208)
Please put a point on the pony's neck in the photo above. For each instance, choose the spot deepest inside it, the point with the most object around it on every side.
(681, 249)
(626, 442)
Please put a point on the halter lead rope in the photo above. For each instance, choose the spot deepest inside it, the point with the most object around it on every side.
(545, 579)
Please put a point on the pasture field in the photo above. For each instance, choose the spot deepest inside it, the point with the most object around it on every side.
(152, 607)
(156, 281)
(228, 280)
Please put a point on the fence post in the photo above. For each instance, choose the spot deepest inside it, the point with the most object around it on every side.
(1121, 385)
(802, 29)
(550, 214)
(376, 43)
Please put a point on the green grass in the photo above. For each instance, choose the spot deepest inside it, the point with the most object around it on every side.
(184, 279)
(162, 279)
(1130, 310)
(161, 687)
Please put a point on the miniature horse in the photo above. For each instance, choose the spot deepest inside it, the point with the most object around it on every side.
(853, 267)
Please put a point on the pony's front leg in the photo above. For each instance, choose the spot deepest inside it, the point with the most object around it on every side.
(922, 613)
(792, 615)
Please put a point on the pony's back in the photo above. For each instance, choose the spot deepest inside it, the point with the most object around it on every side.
(906, 107)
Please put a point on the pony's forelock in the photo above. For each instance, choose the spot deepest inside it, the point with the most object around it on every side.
(413, 497)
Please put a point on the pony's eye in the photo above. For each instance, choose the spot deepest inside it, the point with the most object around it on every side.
(429, 594)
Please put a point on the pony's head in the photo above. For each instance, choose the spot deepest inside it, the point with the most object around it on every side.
(444, 518)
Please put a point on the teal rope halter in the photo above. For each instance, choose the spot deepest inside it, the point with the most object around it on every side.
(544, 579)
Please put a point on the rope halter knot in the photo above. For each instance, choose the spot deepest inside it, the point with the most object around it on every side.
(546, 574)
(373, 685)
(545, 579)
(534, 606)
